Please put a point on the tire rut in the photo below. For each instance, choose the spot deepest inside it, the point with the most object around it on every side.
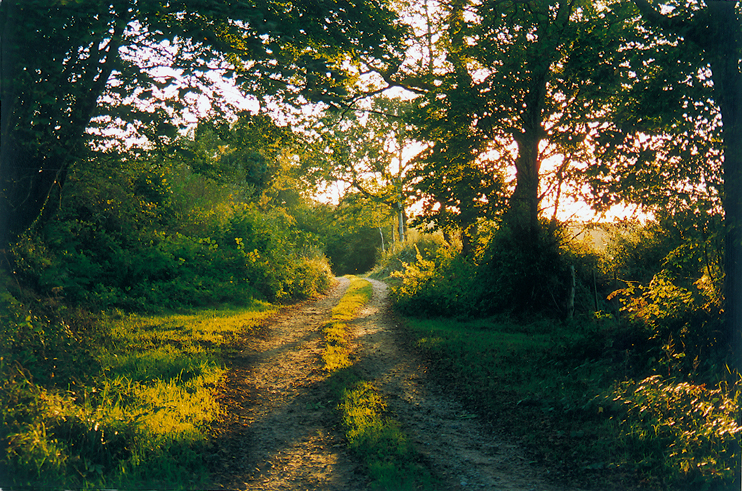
(281, 432)
(281, 428)
(460, 450)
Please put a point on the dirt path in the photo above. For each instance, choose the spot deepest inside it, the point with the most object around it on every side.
(281, 432)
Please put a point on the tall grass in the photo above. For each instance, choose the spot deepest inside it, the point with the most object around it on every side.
(141, 418)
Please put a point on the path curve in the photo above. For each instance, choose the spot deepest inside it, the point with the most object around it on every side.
(281, 429)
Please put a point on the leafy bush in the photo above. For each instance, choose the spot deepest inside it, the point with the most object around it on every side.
(678, 298)
(309, 278)
(524, 273)
(444, 285)
(636, 252)
(396, 257)
(686, 320)
(148, 269)
(508, 274)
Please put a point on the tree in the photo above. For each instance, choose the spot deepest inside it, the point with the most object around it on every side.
(368, 150)
(61, 60)
(352, 237)
(510, 90)
(456, 186)
(712, 30)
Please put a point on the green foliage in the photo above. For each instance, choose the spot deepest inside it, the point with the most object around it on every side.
(362, 149)
(636, 251)
(679, 432)
(509, 273)
(135, 409)
(130, 236)
(395, 258)
(354, 234)
(685, 320)
(522, 273)
(686, 244)
(354, 252)
(55, 92)
(443, 285)
(675, 298)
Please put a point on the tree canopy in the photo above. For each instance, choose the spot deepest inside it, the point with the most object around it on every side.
(65, 63)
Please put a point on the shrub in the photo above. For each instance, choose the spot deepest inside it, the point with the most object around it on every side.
(445, 285)
(508, 274)
(636, 252)
(398, 255)
(310, 277)
(524, 273)
(686, 320)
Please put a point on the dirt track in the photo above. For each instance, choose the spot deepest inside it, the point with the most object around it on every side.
(282, 432)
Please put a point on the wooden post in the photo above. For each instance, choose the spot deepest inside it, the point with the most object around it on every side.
(571, 298)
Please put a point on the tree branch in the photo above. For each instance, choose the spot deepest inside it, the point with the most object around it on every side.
(653, 16)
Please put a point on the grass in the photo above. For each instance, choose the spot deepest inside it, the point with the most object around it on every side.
(581, 404)
(372, 433)
(142, 418)
(337, 352)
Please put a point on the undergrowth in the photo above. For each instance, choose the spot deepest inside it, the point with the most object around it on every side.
(611, 362)
(134, 410)
(576, 395)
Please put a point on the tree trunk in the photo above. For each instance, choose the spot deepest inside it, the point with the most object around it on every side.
(7, 99)
(725, 53)
(37, 101)
(571, 296)
(524, 203)
(466, 247)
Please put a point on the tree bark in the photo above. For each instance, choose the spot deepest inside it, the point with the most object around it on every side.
(724, 55)
(402, 222)
(7, 99)
(524, 203)
(45, 111)
(717, 30)
(523, 215)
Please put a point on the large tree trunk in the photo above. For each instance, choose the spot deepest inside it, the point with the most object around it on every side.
(718, 31)
(27, 175)
(524, 203)
(7, 99)
(724, 51)
(46, 109)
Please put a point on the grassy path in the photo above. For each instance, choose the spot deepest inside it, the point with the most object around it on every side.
(323, 395)
(281, 429)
